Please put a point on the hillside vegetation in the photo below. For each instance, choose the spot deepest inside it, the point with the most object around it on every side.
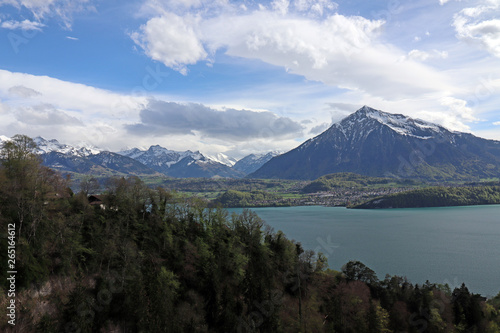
(147, 260)
(232, 198)
(352, 180)
(438, 196)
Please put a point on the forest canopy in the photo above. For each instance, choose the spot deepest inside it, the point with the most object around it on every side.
(438, 196)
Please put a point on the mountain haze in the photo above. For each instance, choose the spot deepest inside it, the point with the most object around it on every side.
(202, 167)
(182, 164)
(375, 143)
(253, 162)
(368, 142)
(87, 159)
(157, 157)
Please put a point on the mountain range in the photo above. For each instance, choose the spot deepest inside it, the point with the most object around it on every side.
(253, 162)
(368, 142)
(375, 143)
(182, 164)
(157, 160)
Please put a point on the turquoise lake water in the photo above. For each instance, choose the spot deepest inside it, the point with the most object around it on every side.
(443, 245)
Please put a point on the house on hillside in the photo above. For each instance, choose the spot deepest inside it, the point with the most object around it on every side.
(96, 200)
(100, 201)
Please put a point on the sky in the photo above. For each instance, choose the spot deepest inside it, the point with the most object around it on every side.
(241, 77)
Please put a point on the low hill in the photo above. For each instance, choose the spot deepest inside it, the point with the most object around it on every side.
(437, 197)
(334, 181)
(232, 198)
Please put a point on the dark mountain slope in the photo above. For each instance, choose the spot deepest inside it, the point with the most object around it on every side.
(253, 162)
(181, 164)
(201, 167)
(375, 143)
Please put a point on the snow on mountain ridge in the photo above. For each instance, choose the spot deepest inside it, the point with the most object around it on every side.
(399, 123)
(82, 149)
(84, 157)
(132, 153)
(85, 146)
(161, 157)
(252, 162)
(222, 158)
(359, 125)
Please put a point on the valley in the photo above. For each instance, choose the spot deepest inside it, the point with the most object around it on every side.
(341, 189)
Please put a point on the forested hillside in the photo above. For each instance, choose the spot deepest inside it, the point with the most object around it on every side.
(352, 180)
(135, 259)
(438, 196)
(232, 198)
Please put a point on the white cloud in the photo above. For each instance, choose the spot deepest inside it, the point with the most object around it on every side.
(43, 9)
(315, 7)
(319, 128)
(172, 40)
(347, 52)
(71, 113)
(480, 25)
(459, 107)
(160, 118)
(67, 95)
(492, 134)
(281, 6)
(4, 109)
(418, 55)
(454, 115)
(338, 50)
(308, 43)
(496, 123)
(22, 25)
(423, 55)
(41, 105)
(305, 37)
(45, 115)
(23, 91)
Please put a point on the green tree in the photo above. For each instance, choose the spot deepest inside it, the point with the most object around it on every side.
(89, 185)
(28, 193)
(466, 308)
(357, 271)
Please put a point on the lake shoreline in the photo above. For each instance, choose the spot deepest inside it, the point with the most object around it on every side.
(440, 244)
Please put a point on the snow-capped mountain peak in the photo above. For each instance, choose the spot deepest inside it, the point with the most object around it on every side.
(222, 158)
(400, 123)
(376, 143)
(160, 151)
(253, 162)
(88, 149)
(47, 146)
(361, 122)
(161, 158)
(132, 153)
